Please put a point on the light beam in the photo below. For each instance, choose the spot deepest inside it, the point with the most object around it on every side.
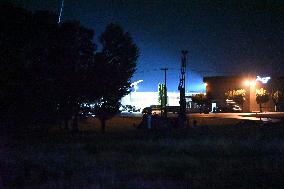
(60, 13)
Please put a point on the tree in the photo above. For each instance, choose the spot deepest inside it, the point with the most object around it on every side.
(237, 96)
(115, 66)
(26, 43)
(277, 97)
(262, 96)
(200, 99)
(74, 70)
(203, 101)
(44, 67)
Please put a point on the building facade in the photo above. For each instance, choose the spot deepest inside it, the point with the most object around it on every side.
(217, 87)
(146, 99)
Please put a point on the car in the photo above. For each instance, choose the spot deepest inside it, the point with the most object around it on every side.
(227, 109)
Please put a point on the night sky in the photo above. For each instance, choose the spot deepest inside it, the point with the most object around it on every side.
(222, 37)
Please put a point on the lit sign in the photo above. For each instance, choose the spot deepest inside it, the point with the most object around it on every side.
(262, 79)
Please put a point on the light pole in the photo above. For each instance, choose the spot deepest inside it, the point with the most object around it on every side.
(181, 88)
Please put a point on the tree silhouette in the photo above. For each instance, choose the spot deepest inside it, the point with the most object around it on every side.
(115, 65)
(48, 68)
(200, 99)
(44, 67)
(72, 65)
(25, 48)
(277, 97)
(237, 96)
(262, 96)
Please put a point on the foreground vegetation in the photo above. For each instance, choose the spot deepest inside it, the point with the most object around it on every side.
(244, 156)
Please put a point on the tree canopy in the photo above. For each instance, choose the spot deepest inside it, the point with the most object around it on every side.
(26, 48)
(48, 69)
(262, 96)
(237, 96)
(201, 99)
(115, 65)
(277, 97)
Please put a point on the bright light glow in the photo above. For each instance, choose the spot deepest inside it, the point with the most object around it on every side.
(262, 79)
(135, 84)
(144, 99)
(250, 83)
(205, 84)
(136, 88)
(247, 83)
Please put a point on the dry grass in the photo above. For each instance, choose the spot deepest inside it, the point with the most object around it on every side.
(203, 157)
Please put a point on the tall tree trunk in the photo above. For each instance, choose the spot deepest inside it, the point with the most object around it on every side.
(260, 109)
(103, 125)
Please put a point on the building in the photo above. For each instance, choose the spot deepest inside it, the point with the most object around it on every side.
(146, 99)
(216, 87)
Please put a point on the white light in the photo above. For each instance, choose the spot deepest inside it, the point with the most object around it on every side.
(262, 79)
(60, 13)
(135, 84)
(135, 88)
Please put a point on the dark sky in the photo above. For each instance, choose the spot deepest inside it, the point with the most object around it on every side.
(222, 37)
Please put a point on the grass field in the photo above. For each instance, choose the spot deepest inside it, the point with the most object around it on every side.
(204, 157)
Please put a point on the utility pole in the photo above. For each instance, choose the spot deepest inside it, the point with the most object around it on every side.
(181, 88)
(165, 91)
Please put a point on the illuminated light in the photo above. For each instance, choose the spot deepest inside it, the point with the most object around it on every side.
(135, 84)
(252, 83)
(247, 82)
(205, 84)
(136, 88)
(263, 79)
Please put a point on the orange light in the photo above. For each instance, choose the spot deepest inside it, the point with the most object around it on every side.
(205, 84)
(252, 83)
(247, 83)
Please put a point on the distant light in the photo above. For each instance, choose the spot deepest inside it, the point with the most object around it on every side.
(135, 84)
(262, 79)
(205, 84)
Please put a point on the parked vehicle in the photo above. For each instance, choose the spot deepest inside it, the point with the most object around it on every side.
(129, 109)
(227, 109)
